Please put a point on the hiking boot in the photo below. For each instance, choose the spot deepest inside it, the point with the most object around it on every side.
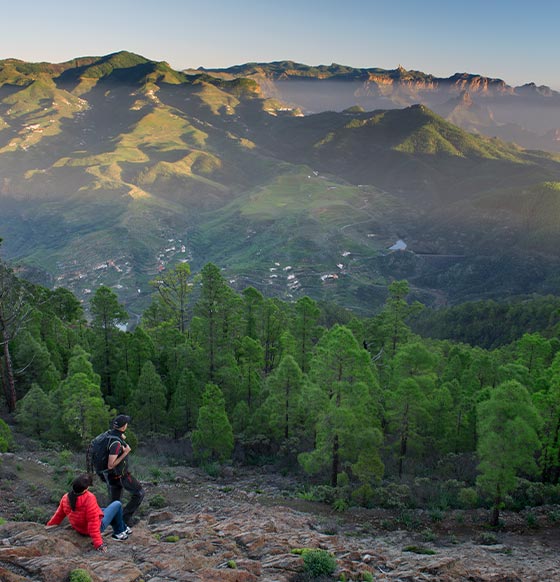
(127, 531)
(120, 536)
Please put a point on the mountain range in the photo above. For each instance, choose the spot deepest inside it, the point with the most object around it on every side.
(528, 115)
(290, 178)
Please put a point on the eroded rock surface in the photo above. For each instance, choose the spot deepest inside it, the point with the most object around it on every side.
(257, 541)
(244, 528)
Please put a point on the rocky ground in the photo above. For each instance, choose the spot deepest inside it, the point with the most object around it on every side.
(245, 525)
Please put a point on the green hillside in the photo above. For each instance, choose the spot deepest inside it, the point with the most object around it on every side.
(113, 168)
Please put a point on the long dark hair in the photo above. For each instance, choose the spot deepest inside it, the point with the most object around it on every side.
(79, 485)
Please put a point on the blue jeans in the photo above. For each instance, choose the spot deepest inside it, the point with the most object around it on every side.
(112, 514)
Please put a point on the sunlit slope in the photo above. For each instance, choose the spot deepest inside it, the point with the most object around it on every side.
(108, 158)
(411, 150)
(112, 168)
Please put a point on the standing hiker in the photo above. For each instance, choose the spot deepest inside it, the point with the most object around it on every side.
(85, 515)
(116, 473)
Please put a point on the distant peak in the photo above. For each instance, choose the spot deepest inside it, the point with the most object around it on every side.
(125, 58)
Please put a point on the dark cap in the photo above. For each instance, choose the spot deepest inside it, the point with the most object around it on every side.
(120, 420)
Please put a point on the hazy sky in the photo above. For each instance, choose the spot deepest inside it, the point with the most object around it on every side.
(515, 40)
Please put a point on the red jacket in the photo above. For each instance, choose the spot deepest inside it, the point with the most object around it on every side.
(85, 519)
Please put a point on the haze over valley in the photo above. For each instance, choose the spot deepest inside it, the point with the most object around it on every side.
(323, 181)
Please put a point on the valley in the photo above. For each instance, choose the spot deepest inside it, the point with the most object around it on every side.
(106, 163)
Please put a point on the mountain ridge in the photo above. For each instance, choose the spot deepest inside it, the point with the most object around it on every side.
(121, 155)
(279, 70)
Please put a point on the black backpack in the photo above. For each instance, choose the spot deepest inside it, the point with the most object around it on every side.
(97, 454)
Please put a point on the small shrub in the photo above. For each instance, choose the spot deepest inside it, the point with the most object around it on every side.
(408, 521)
(420, 550)
(156, 473)
(325, 493)
(393, 496)
(340, 505)
(468, 497)
(232, 564)
(306, 495)
(428, 535)
(171, 539)
(342, 480)
(436, 515)
(212, 469)
(318, 562)
(367, 577)
(6, 438)
(64, 458)
(322, 493)
(363, 495)
(31, 513)
(330, 528)
(2, 520)
(531, 520)
(487, 539)
(80, 575)
(553, 516)
(158, 501)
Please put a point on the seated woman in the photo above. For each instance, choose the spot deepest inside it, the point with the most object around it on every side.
(85, 515)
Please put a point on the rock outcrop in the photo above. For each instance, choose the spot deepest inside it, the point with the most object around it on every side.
(245, 525)
(249, 542)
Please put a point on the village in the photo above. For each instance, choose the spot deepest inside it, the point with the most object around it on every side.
(118, 273)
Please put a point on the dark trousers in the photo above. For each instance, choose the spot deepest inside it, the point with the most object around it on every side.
(133, 486)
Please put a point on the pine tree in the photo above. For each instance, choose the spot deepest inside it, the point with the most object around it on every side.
(174, 289)
(213, 437)
(149, 403)
(33, 358)
(305, 330)
(107, 315)
(35, 413)
(407, 413)
(347, 430)
(217, 321)
(283, 405)
(250, 358)
(508, 425)
(273, 323)
(80, 412)
(185, 402)
(547, 401)
(252, 307)
(412, 383)
(122, 392)
(15, 310)
(389, 329)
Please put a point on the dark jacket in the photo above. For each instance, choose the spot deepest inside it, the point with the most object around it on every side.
(115, 448)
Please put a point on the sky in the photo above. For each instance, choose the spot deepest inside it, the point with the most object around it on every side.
(514, 40)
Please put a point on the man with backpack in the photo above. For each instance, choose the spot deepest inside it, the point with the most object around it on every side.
(109, 453)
